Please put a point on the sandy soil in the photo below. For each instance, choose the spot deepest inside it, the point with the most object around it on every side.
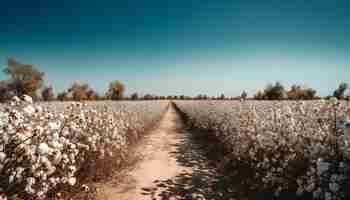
(174, 165)
(158, 163)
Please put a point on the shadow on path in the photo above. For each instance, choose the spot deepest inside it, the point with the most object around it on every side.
(204, 180)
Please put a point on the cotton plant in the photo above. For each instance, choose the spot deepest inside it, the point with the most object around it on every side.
(274, 137)
(44, 146)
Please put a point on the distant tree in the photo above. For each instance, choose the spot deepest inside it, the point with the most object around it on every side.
(47, 94)
(92, 95)
(148, 97)
(294, 92)
(340, 91)
(244, 95)
(259, 95)
(274, 92)
(24, 78)
(62, 96)
(310, 93)
(299, 93)
(134, 96)
(116, 90)
(222, 97)
(79, 91)
(5, 91)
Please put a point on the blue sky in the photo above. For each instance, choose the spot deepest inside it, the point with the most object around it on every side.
(181, 47)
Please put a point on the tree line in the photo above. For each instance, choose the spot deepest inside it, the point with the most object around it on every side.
(26, 79)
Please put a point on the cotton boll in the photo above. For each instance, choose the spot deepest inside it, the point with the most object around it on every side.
(27, 99)
(53, 125)
(16, 99)
(2, 157)
(44, 149)
(72, 181)
(29, 110)
(57, 158)
(38, 109)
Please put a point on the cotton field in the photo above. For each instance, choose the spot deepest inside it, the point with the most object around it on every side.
(43, 146)
(298, 146)
(301, 147)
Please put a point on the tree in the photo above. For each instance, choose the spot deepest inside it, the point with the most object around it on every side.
(134, 96)
(92, 95)
(299, 93)
(79, 91)
(222, 97)
(274, 92)
(148, 97)
(62, 96)
(259, 95)
(116, 90)
(310, 94)
(244, 95)
(5, 91)
(24, 78)
(340, 91)
(47, 94)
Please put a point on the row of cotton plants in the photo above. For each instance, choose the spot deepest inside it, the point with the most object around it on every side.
(43, 147)
(294, 146)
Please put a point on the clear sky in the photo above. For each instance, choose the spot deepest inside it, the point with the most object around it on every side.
(181, 46)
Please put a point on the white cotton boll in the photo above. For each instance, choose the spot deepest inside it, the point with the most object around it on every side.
(51, 170)
(16, 99)
(61, 116)
(55, 136)
(40, 194)
(85, 188)
(53, 125)
(72, 181)
(44, 149)
(27, 99)
(19, 171)
(55, 144)
(57, 158)
(72, 146)
(11, 178)
(38, 109)
(29, 187)
(2, 157)
(72, 169)
(29, 110)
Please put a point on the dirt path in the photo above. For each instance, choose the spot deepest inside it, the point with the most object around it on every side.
(172, 167)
